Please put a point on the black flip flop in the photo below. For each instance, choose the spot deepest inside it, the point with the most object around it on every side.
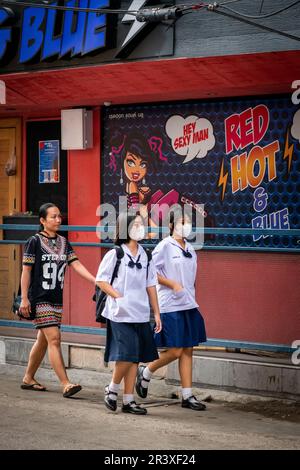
(72, 390)
(35, 386)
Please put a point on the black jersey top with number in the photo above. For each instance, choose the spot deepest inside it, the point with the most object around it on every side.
(48, 257)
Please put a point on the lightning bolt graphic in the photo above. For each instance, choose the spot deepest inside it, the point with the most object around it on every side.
(288, 151)
(223, 179)
(137, 25)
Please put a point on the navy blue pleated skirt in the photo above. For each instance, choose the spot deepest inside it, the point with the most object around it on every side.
(181, 329)
(131, 342)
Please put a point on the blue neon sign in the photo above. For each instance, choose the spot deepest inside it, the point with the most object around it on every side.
(81, 32)
(5, 33)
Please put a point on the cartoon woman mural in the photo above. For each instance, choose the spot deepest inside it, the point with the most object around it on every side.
(138, 155)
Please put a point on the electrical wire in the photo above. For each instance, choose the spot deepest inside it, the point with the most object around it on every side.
(229, 1)
(261, 5)
(258, 17)
(258, 25)
(180, 7)
(148, 14)
(160, 14)
(67, 8)
(215, 7)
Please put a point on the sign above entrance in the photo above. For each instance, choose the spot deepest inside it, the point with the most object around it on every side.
(88, 35)
(35, 37)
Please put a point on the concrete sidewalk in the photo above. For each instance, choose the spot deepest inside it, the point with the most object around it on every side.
(218, 370)
(159, 388)
(46, 420)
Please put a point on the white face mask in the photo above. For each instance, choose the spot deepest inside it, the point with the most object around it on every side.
(137, 233)
(183, 230)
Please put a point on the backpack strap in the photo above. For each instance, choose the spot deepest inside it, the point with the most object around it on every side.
(120, 254)
(149, 257)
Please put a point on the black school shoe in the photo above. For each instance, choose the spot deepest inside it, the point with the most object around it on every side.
(193, 404)
(133, 408)
(109, 403)
(140, 390)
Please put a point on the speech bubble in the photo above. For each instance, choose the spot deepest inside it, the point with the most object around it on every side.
(295, 130)
(192, 137)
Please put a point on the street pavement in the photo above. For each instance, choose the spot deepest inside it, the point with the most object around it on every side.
(46, 420)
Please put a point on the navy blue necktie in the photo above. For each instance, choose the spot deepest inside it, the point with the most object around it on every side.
(132, 264)
(186, 254)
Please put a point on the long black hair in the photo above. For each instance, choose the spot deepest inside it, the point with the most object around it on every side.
(124, 222)
(43, 211)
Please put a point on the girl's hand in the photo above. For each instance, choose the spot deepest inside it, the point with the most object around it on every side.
(25, 307)
(177, 287)
(158, 324)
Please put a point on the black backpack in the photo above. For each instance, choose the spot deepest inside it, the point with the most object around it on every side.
(100, 297)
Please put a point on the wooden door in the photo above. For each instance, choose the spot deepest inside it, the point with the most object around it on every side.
(9, 202)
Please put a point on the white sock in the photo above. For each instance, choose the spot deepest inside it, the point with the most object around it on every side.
(147, 374)
(113, 388)
(186, 393)
(127, 398)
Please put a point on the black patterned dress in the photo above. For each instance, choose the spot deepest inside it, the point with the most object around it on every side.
(48, 257)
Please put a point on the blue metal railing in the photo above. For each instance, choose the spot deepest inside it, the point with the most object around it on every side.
(208, 231)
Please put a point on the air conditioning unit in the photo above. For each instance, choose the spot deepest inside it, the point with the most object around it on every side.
(76, 129)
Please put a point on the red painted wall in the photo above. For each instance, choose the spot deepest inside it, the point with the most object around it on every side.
(84, 198)
(250, 296)
(242, 295)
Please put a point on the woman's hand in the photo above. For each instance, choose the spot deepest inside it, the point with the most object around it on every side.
(25, 307)
(158, 324)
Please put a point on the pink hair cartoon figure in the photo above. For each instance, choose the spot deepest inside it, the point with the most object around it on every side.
(138, 156)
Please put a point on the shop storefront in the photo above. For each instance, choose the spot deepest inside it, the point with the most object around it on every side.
(220, 115)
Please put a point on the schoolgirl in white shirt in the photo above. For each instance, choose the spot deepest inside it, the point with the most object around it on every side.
(129, 335)
(183, 326)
